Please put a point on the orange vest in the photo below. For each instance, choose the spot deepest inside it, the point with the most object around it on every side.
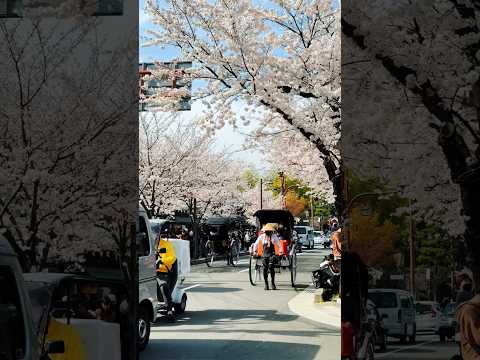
(260, 248)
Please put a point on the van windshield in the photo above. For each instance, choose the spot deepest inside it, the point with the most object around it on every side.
(40, 294)
(383, 300)
(301, 230)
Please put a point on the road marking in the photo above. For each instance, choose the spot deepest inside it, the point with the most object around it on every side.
(191, 287)
(404, 348)
(244, 270)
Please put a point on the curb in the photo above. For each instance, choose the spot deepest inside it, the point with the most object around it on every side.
(220, 257)
(323, 313)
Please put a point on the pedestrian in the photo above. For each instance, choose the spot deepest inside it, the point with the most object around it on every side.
(465, 292)
(337, 247)
(468, 317)
(267, 246)
(247, 238)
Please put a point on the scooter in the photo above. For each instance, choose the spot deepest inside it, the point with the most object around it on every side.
(326, 278)
(179, 296)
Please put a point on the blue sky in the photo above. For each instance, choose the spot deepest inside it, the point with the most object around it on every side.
(226, 138)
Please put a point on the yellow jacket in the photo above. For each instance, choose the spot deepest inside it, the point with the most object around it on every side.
(166, 260)
(74, 347)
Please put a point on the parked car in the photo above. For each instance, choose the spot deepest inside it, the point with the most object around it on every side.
(398, 312)
(376, 320)
(317, 237)
(427, 316)
(448, 323)
(326, 240)
(305, 236)
(18, 339)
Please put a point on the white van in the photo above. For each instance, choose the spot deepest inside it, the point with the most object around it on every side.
(397, 309)
(149, 305)
(305, 236)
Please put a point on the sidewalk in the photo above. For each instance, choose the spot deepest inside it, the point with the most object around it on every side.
(325, 313)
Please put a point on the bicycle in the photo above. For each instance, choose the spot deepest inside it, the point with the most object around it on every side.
(210, 253)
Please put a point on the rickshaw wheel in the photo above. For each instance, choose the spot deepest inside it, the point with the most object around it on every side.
(293, 268)
(253, 270)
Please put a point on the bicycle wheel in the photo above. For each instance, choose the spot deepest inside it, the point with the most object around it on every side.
(293, 268)
(210, 258)
(253, 270)
(235, 255)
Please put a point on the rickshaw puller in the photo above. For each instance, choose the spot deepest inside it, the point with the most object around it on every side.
(268, 248)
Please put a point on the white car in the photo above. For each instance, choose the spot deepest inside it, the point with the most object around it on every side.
(428, 316)
(305, 236)
(397, 310)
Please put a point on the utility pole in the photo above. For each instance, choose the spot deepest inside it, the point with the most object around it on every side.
(195, 230)
(261, 194)
(412, 250)
(282, 188)
(312, 221)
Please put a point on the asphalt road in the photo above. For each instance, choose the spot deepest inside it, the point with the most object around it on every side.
(228, 318)
(426, 347)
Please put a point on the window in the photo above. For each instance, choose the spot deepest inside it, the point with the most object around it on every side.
(12, 325)
(405, 302)
(300, 230)
(450, 309)
(40, 295)
(383, 300)
(143, 247)
(423, 309)
(109, 8)
(11, 8)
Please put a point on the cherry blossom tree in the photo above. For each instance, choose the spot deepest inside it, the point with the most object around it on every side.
(422, 60)
(169, 150)
(286, 150)
(62, 136)
(278, 59)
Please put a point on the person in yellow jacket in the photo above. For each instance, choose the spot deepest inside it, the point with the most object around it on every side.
(167, 272)
(74, 346)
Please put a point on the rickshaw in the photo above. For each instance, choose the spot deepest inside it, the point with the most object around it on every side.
(219, 242)
(284, 221)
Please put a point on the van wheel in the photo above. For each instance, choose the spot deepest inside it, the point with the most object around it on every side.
(143, 328)
(383, 345)
(403, 338)
(180, 308)
(411, 338)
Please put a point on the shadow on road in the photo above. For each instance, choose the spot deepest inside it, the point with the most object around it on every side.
(200, 349)
(227, 316)
(300, 333)
(211, 289)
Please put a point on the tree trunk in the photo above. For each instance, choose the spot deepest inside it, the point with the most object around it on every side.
(470, 191)
(195, 231)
